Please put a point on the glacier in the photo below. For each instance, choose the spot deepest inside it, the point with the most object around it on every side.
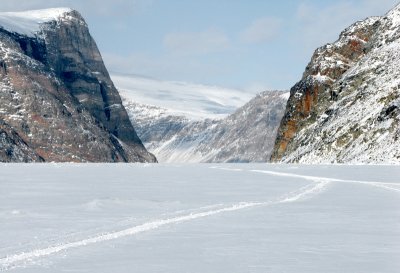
(183, 99)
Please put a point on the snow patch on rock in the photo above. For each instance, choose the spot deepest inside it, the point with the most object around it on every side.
(29, 23)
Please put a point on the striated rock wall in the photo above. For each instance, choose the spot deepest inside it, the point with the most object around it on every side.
(58, 100)
(78, 63)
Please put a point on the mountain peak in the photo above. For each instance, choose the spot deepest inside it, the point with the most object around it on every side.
(28, 22)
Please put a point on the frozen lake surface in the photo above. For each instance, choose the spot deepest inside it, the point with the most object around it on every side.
(203, 218)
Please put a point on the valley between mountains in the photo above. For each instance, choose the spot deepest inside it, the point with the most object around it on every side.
(319, 192)
(59, 103)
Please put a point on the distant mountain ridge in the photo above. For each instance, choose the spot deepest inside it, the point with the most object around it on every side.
(247, 135)
(57, 101)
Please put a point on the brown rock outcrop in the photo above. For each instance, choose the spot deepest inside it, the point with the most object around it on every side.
(312, 93)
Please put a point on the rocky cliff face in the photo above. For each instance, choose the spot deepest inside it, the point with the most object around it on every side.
(245, 136)
(57, 101)
(345, 108)
(14, 148)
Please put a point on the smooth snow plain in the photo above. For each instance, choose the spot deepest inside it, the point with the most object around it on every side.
(199, 218)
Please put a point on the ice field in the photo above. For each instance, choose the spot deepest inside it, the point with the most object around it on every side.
(199, 218)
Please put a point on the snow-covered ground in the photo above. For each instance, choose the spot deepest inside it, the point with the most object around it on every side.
(193, 101)
(199, 218)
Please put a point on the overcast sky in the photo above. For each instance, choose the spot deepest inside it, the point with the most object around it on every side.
(248, 44)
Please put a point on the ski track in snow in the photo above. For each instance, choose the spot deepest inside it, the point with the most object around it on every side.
(21, 259)
(320, 183)
(379, 184)
(384, 185)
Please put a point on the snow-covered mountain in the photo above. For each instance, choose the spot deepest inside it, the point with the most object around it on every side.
(57, 101)
(346, 107)
(186, 122)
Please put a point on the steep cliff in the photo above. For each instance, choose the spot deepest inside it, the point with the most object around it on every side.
(345, 108)
(57, 101)
(247, 135)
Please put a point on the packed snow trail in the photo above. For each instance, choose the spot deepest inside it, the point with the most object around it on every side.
(385, 185)
(15, 260)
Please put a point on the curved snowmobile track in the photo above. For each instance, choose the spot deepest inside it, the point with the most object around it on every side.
(385, 185)
(15, 260)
